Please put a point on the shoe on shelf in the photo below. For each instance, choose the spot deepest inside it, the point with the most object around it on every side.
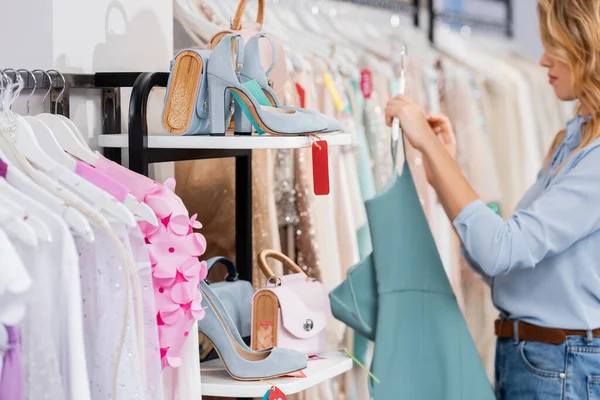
(226, 63)
(241, 362)
(255, 79)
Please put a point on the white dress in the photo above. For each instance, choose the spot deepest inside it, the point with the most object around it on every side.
(15, 283)
(113, 361)
(137, 247)
(53, 352)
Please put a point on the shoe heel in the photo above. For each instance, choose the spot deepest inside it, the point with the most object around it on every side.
(242, 123)
(217, 105)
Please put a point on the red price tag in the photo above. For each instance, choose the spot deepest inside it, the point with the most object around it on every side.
(366, 83)
(320, 164)
(301, 95)
(274, 393)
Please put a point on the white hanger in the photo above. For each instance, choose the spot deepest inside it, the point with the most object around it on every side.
(74, 219)
(25, 140)
(18, 179)
(142, 210)
(57, 136)
(48, 141)
(17, 228)
(14, 205)
(28, 145)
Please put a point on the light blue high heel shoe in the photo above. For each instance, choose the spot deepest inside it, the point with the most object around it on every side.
(207, 291)
(254, 71)
(241, 362)
(225, 65)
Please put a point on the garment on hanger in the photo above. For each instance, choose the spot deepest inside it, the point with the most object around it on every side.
(417, 310)
(173, 248)
(11, 378)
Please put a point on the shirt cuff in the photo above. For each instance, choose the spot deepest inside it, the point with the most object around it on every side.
(468, 211)
(475, 267)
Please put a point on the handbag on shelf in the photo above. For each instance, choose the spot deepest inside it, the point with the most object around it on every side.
(185, 110)
(236, 295)
(271, 54)
(291, 312)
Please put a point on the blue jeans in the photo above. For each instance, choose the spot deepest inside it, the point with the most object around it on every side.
(539, 371)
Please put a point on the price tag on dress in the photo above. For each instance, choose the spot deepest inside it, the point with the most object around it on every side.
(320, 164)
(274, 393)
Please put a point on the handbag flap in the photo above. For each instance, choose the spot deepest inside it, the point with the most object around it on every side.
(304, 305)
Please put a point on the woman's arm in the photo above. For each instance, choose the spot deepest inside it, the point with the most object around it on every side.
(566, 212)
(453, 190)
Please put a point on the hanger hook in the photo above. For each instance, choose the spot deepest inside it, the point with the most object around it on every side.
(49, 86)
(33, 90)
(19, 80)
(62, 92)
(403, 57)
(3, 77)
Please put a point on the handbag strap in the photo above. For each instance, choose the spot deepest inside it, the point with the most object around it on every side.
(236, 23)
(232, 274)
(262, 262)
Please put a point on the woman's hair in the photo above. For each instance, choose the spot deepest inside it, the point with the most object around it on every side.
(570, 31)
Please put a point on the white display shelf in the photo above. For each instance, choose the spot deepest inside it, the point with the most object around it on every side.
(217, 382)
(168, 141)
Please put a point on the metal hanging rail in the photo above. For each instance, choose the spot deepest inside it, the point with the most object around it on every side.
(394, 6)
(505, 26)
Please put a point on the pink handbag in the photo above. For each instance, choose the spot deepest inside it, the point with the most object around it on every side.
(291, 312)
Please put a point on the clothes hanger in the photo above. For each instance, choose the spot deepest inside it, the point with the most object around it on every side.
(21, 216)
(36, 225)
(65, 138)
(19, 180)
(16, 227)
(24, 139)
(52, 126)
(200, 29)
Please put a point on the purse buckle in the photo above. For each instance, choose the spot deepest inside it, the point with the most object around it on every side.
(234, 278)
(273, 280)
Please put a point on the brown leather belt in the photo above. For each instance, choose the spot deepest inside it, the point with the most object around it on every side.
(533, 333)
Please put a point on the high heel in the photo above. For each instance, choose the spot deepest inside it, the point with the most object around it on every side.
(241, 362)
(242, 123)
(253, 71)
(223, 76)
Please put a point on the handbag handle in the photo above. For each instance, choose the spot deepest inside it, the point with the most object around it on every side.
(232, 274)
(262, 262)
(236, 23)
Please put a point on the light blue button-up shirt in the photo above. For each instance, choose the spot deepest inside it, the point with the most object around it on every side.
(544, 263)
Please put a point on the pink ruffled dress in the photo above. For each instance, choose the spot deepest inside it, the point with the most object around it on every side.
(174, 249)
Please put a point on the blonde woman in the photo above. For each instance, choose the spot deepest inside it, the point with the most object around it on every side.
(544, 262)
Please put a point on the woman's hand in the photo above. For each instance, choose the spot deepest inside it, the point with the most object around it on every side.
(442, 127)
(414, 124)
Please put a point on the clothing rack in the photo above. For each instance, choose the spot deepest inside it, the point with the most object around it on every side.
(506, 26)
(394, 6)
(140, 156)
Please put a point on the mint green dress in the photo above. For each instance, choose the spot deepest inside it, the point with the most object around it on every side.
(423, 350)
